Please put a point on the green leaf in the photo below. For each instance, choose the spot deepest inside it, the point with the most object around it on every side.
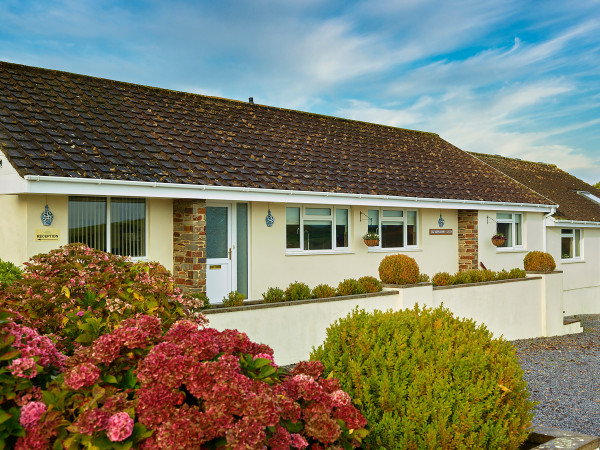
(110, 379)
(267, 371)
(4, 416)
(10, 355)
(260, 362)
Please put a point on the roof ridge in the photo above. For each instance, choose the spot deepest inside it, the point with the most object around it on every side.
(224, 99)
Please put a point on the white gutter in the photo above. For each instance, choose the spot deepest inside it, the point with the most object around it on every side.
(578, 223)
(37, 184)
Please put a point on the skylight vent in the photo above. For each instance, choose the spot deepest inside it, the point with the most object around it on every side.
(589, 196)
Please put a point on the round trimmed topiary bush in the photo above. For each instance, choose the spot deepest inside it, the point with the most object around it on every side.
(537, 261)
(426, 379)
(323, 291)
(297, 291)
(398, 269)
(441, 279)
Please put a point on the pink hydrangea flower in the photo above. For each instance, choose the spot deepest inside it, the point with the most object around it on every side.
(298, 441)
(340, 398)
(120, 426)
(31, 413)
(84, 374)
(23, 367)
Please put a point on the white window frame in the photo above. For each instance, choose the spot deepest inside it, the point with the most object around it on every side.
(402, 219)
(331, 217)
(513, 222)
(108, 223)
(564, 233)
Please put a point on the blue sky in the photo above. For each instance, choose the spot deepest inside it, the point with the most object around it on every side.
(515, 78)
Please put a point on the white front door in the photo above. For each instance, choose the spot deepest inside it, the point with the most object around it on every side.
(219, 265)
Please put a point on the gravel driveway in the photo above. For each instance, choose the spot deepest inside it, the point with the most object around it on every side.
(563, 375)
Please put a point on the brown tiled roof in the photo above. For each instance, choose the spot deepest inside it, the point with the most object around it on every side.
(551, 182)
(61, 124)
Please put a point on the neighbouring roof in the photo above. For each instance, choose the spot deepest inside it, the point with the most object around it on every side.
(62, 124)
(558, 185)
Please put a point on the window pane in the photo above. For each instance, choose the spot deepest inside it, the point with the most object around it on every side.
(577, 243)
(518, 229)
(292, 227)
(317, 235)
(317, 211)
(411, 228)
(87, 221)
(242, 248)
(392, 213)
(128, 226)
(341, 228)
(373, 226)
(506, 230)
(217, 240)
(503, 216)
(392, 234)
(566, 247)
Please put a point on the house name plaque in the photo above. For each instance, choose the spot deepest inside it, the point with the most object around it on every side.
(435, 231)
(47, 234)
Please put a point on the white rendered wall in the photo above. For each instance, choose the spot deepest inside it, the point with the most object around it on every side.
(514, 309)
(497, 259)
(271, 267)
(581, 278)
(13, 233)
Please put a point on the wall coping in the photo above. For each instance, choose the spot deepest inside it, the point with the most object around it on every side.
(553, 438)
(484, 283)
(544, 273)
(260, 304)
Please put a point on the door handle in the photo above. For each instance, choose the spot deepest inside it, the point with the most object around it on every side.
(230, 254)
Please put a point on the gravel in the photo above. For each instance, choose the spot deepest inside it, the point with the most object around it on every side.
(563, 375)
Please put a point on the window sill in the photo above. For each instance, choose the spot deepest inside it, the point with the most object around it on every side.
(572, 261)
(317, 252)
(393, 250)
(511, 250)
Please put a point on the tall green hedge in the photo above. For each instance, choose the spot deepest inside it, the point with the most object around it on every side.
(426, 379)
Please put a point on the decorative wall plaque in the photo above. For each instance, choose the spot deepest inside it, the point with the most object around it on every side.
(47, 217)
(47, 234)
(435, 231)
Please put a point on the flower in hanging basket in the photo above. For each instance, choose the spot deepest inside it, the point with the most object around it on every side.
(498, 239)
(371, 239)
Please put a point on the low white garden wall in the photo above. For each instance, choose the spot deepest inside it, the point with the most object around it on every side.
(515, 309)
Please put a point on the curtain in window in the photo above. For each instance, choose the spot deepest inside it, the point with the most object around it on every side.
(128, 226)
(87, 221)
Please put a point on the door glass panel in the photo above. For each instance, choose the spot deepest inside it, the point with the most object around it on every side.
(217, 244)
(242, 248)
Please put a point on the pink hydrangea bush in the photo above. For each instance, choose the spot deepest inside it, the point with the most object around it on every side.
(191, 387)
(27, 361)
(76, 294)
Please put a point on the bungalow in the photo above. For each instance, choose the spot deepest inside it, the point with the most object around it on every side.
(232, 195)
(571, 234)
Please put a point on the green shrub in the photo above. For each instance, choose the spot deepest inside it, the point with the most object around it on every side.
(273, 295)
(423, 278)
(425, 379)
(78, 294)
(350, 286)
(517, 273)
(539, 262)
(203, 301)
(9, 273)
(442, 279)
(234, 298)
(370, 284)
(323, 291)
(297, 291)
(398, 269)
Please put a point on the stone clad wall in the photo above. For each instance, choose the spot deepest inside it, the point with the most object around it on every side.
(189, 244)
(468, 250)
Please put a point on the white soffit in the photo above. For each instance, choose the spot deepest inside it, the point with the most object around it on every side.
(572, 223)
(86, 186)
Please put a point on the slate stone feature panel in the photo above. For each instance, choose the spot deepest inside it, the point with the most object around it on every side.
(189, 245)
(62, 124)
(468, 249)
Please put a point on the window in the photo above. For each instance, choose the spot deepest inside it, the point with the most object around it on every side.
(396, 228)
(316, 228)
(117, 225)
(570, 243)
(510, 225)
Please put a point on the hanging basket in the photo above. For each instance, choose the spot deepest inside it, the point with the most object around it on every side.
(498, 241)
(371, 242)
